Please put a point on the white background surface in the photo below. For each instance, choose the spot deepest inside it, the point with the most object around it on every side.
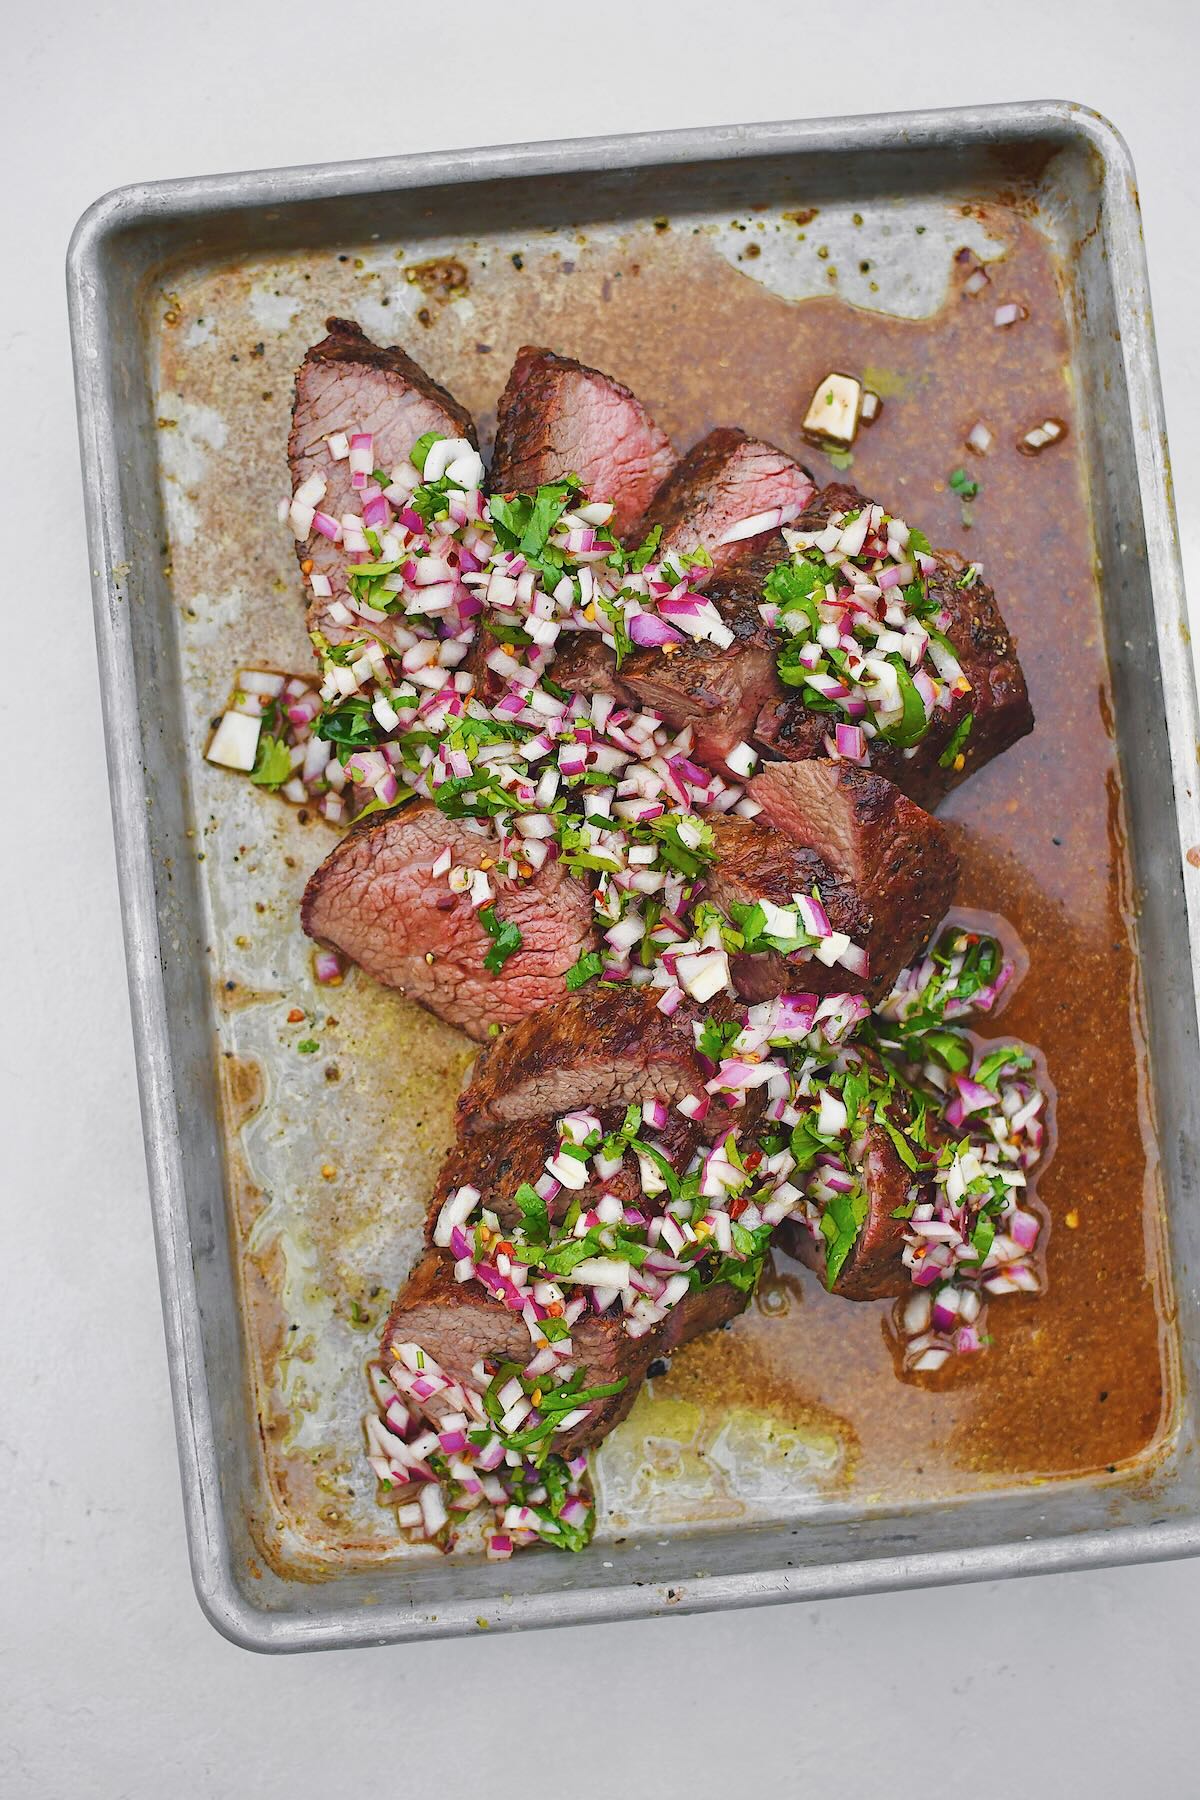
(111, 1682)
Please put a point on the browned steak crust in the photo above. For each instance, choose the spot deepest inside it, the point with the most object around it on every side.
(998, 700)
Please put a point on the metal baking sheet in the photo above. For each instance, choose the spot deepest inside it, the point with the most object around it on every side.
(287, 1190)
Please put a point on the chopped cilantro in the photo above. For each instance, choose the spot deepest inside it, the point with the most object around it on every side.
(535, 1218)
(589, 964)
(506, 935)
(962, 732)
(645, 550)
(982, 1236)
(962, 484)
(841, 1222)
(273, 763)
(1008, 1056)
(912, 724)
(421, 449)
(308, 1046)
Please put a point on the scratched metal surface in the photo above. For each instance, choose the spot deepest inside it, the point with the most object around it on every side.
(332, 1151)
(331, 1154)
(328, 1155)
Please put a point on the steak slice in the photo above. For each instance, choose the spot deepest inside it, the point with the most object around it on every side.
(896, 858)
(873, 1270)
(375, 900)
(758, 862)
(704, 1309)
(998, 701)
(459, 1324)
(498, 1160)
(719, 693)
(346, 383)
(557, 417)
(725, 478)
(600, 1047)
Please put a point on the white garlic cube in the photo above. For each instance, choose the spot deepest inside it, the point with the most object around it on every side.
(834, 411)
(235, 741)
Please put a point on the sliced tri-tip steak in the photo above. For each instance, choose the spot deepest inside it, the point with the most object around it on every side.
(602, 1046)
(375, 899)
(348, 384)
(460, 1324)
(724, 481)
(557, 417)
(893, 865)
(718, 692)
(756, 861)
(873, 1270)
(499, 1160)
(998, 700)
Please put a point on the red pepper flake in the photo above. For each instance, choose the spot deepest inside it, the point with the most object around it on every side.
(754, 1158)
(296, 1016)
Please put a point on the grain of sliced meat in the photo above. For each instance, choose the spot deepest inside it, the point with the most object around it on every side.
(725, 479)
(873, 1270)
(460, 1325)
(348, 384)
(557, 417)
(894, 857)
(375, 900)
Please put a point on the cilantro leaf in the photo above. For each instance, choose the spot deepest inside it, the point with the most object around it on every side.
(797, 587)
(567, 1398)
(962, 732)
(589, 964)
(988, 1072)
(962, 484)
(841, 1222)
(351, 725)
(421, 449)
(678, 855)
(534, 1215)
(548, 507)
(645, 550)
(272, 764)
(900, 1143)
(982, 1236)
(507, 936)
(912, 724)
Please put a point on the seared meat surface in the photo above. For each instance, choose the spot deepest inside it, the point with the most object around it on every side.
(600, 1047)
(998, 701)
